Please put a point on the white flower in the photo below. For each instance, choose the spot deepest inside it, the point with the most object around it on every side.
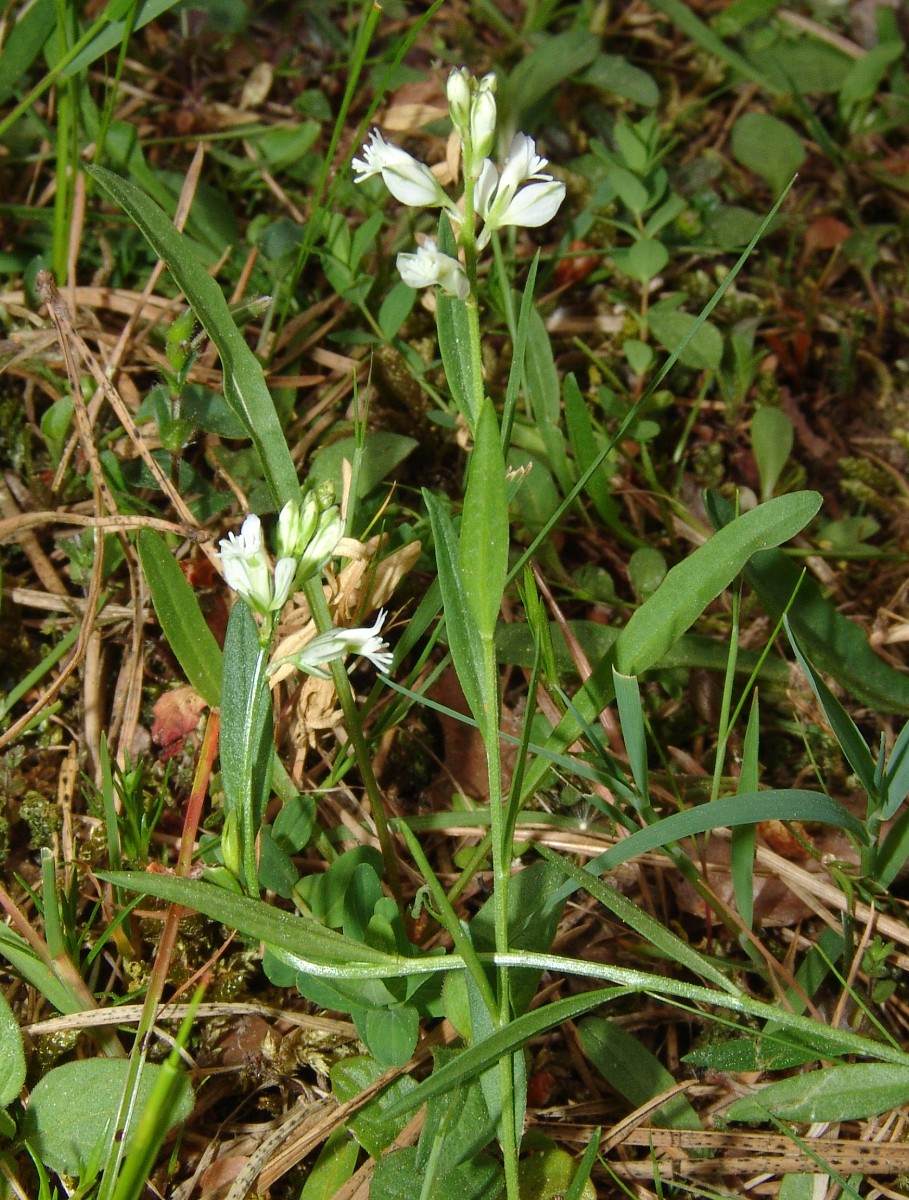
(502, 200)
(246, 569)
(429, 266)
(408, 180)
(337, 643)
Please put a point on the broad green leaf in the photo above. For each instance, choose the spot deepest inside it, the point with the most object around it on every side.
(853, 1092)
(833, 644)
(463, 635)
(547, 1175)
(671, 328)
(379, 455)
(696, 581)
(374, 1127)
(614, 73)
(72, 1110)
(12, 1056)
(483, 547)
(398, 1177)
(772, 436)
(244, 382)
(453, 328)
(391, 1034)
(634, 1072)
(768, 147)
(643, 261)
(867, 73)
(336, 1163)
(180, 617)
(246, 743)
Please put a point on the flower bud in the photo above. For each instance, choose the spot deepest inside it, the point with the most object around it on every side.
(428, 266)
(459, 104)
(483, 117)
(321, 545)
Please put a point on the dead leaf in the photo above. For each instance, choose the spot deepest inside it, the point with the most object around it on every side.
(177, 715)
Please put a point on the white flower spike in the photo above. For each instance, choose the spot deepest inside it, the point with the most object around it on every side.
(429, 266)
(408, 180)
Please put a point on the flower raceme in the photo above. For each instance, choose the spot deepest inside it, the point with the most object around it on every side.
(522, 194)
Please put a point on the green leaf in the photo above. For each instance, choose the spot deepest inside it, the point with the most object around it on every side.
(453, 326)
(12, 1055)
(768, 147)
(391, 1034)
(853, 1092)
(374, 1126)
(584, 447)
(847, 734)
(379, 455)
(547, 1175)
(336, 1163)
(790, 804)
(671, 328)
(463, 636)
(246, 742)
(556, 59)
(634, 1072)
(867, 73)
(483, 548)
(772, 436)
(643, 261)
(398, 1177)
(72, 1110)
(306, 941)
(244, 382)
(683, 16)
(614, 73)
(543, 392)
(180, 617)
(833, 644)
(696, 581)
(23, 45)
(484, 1054)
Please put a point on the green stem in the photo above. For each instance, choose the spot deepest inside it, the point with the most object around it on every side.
(318, 606)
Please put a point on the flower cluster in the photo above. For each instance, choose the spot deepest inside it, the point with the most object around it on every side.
(522, 193)
(307, 536)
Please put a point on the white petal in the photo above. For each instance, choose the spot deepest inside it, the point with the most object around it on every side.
(285, 572)
(534, 205)
(486, 188)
